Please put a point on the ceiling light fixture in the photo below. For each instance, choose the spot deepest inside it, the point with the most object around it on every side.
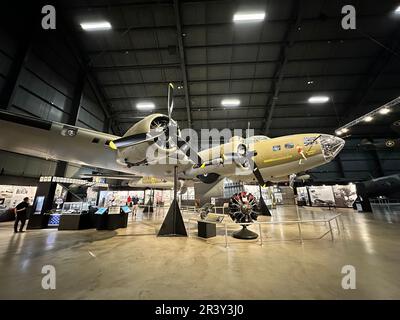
(339, 132)
(384, 111)
(94, 26)
(318, 99)
(248, 16)
(368, 119)
(230, 102)
(345, 130)
(144, 106)
(397, 11)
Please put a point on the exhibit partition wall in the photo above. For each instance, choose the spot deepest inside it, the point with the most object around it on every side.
(302, 196)
(327, 196)
(273, 195)
(189, 194)
(322, 196)
(109, 198)
(11, 196)
(91, 196)
(345, 195)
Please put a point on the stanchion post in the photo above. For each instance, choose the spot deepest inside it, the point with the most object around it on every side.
(330, 229)
(337, 225)
(300, 233)
(226, 236)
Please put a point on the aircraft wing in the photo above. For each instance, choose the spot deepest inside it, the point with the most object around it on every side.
(57, 141)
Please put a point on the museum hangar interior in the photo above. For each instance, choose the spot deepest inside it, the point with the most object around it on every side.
(187, 149)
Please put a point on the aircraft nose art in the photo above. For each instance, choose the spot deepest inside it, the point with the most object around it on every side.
(331, 146)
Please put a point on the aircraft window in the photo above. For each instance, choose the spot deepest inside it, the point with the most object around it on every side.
(289, 145)
(276, 148)
(107, 142)
(95, 140)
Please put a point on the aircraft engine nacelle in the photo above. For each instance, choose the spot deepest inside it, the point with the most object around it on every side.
(146, 140)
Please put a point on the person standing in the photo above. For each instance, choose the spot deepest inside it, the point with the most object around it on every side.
(21, 212)
(135, 201)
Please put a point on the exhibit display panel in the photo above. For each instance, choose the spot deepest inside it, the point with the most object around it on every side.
(253, 189)
(342, 196)
(38, 205)
(54, 220)
(302, 196)
(109, 198)
(272, 195)
(189, 194)
(11, 196)
(345, 195)
(164, 197)
(72, 208)
(91, 196)
(114, 210)
(126, 209)
(101, 211)
(321, 196)
(60, 196)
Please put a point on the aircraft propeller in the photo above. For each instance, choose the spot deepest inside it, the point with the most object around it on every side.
(161, 133)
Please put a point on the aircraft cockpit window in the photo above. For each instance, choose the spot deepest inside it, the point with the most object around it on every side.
(276, 148)
(95, 140)
(289, 145)
(310, 140)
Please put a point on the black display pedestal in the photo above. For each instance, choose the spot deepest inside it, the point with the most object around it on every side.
(101, 221)
(38, 221)
(75, 222)
(301, 203)
(264, 208)
(173, 224)
(114, 221)
(149, 207)
(124, 220)
(245, 234)
(206, 229)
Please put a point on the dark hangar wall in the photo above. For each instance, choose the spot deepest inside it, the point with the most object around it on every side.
(38, 77)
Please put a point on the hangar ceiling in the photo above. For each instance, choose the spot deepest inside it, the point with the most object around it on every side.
(272, 66)
(95, 79)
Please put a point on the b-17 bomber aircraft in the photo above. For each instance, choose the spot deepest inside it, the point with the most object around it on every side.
(153, 147)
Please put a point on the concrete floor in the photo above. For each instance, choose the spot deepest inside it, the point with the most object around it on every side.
(133, 263)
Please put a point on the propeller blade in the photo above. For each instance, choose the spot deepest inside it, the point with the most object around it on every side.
(133, 140)
(258, 175)
(170, 100)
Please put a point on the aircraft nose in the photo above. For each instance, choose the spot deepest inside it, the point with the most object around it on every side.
(331, 146)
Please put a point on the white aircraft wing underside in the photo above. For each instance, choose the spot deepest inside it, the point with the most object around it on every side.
(57, 141)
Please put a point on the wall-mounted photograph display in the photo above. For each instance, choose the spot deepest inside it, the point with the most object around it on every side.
(302, 196)
(13, 195)
(321, 196)
(345, 195)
